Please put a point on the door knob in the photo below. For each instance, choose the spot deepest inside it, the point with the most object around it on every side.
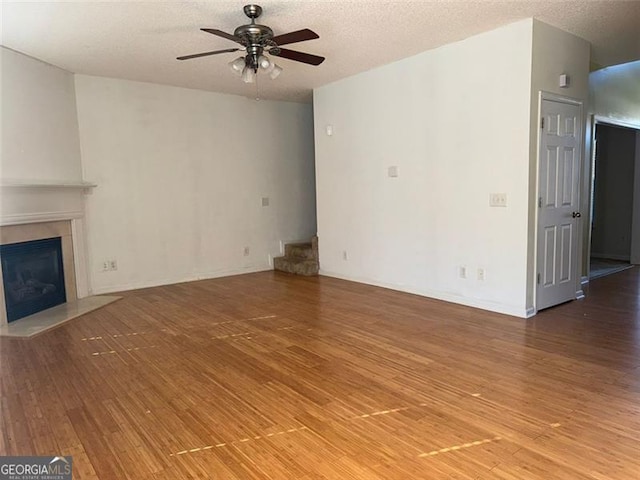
(576, 214)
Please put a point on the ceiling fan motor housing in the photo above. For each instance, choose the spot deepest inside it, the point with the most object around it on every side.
(253, 31)
(254, 38)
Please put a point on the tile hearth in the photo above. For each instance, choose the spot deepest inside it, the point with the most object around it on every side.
(54, 317)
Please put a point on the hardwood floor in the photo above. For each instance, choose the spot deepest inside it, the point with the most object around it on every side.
(271, 376)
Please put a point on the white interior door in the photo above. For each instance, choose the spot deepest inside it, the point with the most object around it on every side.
(558, 203)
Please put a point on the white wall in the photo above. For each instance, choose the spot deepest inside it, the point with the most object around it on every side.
(456, 122)
(181, 174)
(555, 52)
(615, 93)
(39, 122)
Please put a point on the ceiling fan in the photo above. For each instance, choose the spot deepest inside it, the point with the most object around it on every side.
(257, 40)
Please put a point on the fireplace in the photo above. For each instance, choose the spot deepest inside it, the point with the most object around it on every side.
(33, 211)
(33, 276)
(15, 236)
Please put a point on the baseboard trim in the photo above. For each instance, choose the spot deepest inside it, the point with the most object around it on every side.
(584, 280)
(511, 310)
(172, 281)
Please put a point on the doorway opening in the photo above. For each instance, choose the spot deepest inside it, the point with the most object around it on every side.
(615, 207)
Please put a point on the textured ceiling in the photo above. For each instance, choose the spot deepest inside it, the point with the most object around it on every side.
(140, 40)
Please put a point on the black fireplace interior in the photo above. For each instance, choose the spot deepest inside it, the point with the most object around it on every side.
(33, 276)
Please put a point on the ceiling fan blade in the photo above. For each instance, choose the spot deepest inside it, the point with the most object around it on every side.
(299, 56)
(222, 34)
(294, 37)
(205, 54)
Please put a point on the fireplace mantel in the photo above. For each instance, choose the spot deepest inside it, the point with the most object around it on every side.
(25, 201)
(42, 184)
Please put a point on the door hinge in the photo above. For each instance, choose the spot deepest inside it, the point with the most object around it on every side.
(538, 279)
(542, 123)
(539, 202)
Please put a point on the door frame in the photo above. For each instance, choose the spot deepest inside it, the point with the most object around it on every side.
(544, 95)
(592, 124)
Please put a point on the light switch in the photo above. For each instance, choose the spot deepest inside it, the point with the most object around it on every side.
(329, 130)
(393, 171)
(265, 201)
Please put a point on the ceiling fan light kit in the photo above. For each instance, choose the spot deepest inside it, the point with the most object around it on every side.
(275, 71)
(257, 40)
(248, 75)
(237, 66)
(264, 62)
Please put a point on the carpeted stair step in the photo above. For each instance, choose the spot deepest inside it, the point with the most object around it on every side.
(299, 250)
(299, 258)
(297, 265)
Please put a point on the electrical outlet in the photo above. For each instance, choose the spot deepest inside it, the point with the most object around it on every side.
(463, 272)
(246, 251)
(345, 256)
(110, 265)
(498, 200)
(481, 274)
(265, 201)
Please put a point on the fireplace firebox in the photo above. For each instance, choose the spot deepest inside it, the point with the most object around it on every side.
(33, 276)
